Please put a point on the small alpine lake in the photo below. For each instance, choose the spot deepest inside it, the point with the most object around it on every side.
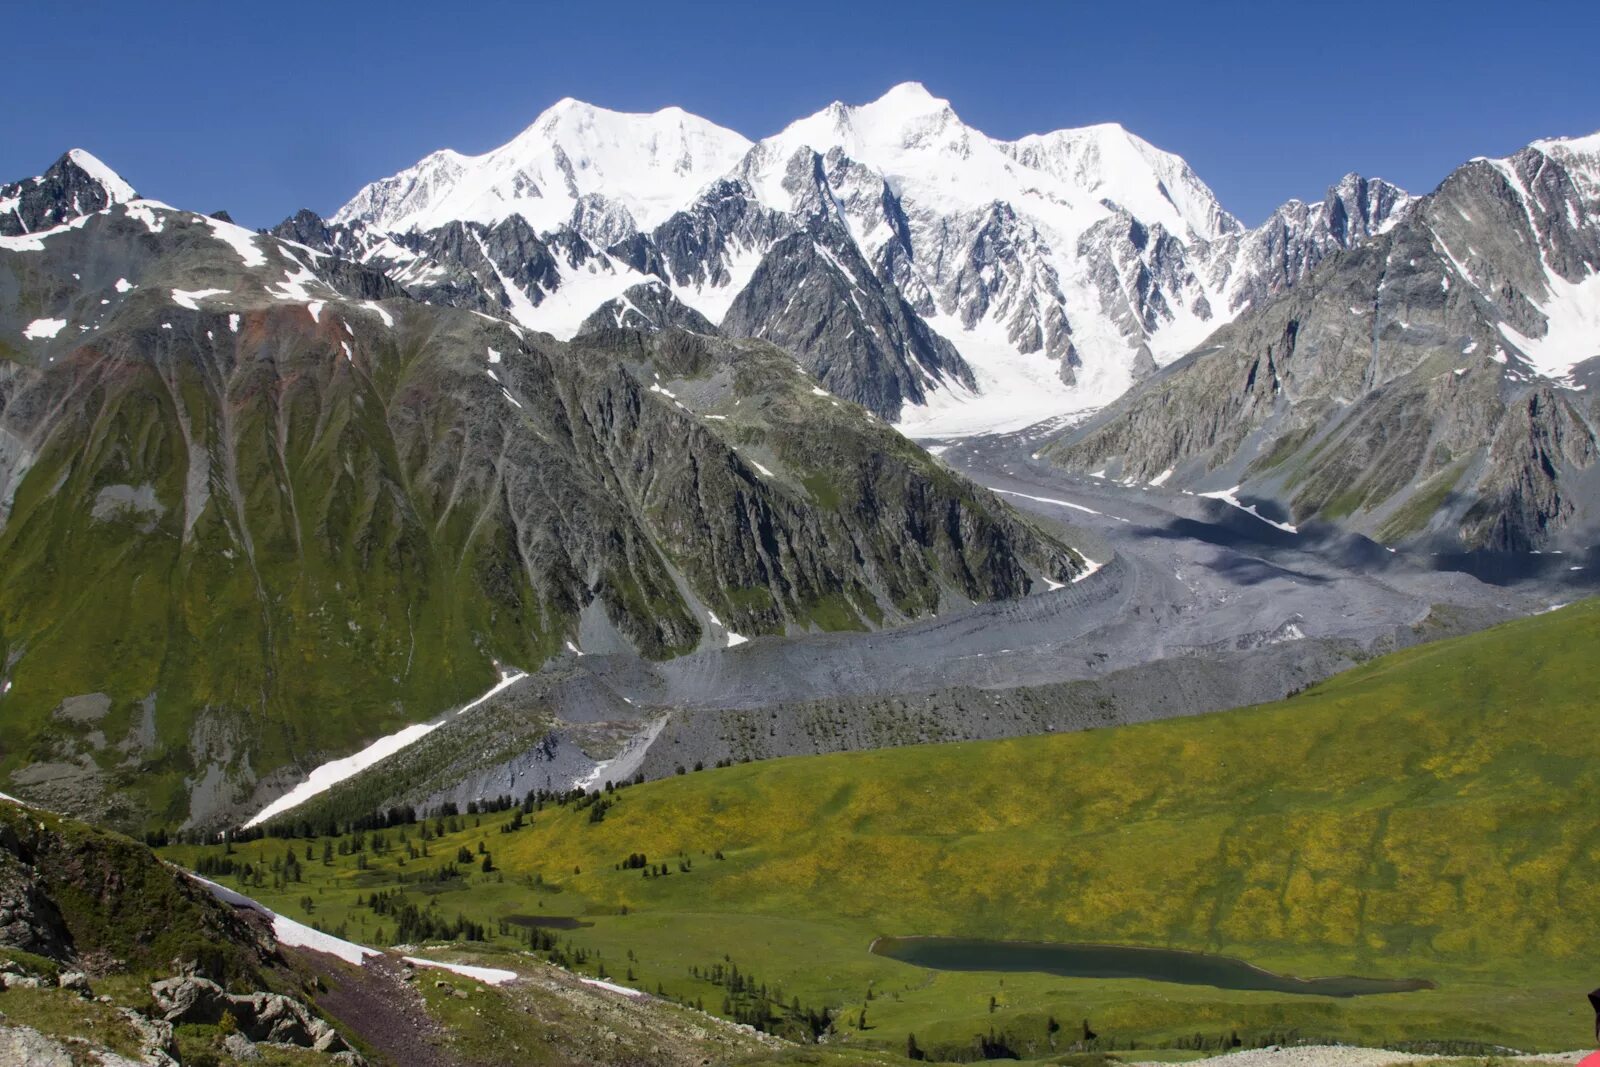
(1123, 961)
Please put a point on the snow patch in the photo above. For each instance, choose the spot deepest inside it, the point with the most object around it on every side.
(1089, 567)
(299, 935)
(1229, 496)
(600, 983)
(188, 298)
(487, 975)
(332, 773)
(118, 190)
(43, 329)
(238, 238)
(1572, 327)
(734, 640)
(1055, 501)
(287, 931)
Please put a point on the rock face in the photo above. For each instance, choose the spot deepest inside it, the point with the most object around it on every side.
(648, 306)
(97, 902)
(29, 919)
(259, 1016)
(373, 501)
(77, 185)
(27, 1047)
(1253, 266)
(1431, 383)
(937, 276)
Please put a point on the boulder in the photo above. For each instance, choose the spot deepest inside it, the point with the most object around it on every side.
(190, 999)
(261, 1017)
(76, 981)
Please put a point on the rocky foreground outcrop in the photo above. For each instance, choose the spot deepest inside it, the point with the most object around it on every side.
(272, 1017)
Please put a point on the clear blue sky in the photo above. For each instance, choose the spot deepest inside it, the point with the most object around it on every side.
(262, 108)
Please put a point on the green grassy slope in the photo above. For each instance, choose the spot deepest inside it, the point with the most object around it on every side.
(1430, 815)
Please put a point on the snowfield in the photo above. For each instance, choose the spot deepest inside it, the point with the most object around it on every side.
(288, 931)
(488, 975)
(333, 772)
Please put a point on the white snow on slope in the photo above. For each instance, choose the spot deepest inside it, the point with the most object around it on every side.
(600, 983)
(288, 931)
(1572, 327)
(932, 158)
(332, 773)
(713, 301)
(118, 190)
(34, 242)
(651, 165)
(299, 935)
(734, 640)
(1089, 567)
(189, 298)
(1015, 389)
(488, 975)
(43, 329)
(1230, 496)
(582, 290)
(1055, 501)
(238, 238)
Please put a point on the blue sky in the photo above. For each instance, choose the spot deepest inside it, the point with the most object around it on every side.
(265, 108)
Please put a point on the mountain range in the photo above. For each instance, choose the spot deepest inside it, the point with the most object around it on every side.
(242, 479)
(1430, 385)
(948, 281)
(954, 284)
(630, 386)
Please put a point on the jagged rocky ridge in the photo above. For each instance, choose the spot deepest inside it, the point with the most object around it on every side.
(939, 277)
(253, 516)
(1431, 384)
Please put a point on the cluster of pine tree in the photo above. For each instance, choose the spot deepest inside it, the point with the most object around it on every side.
(753, 1003)
(414, 924)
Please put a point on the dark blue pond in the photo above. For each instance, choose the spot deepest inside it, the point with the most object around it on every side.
(1121, 961)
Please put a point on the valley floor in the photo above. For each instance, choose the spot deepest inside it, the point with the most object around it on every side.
(1421, 816)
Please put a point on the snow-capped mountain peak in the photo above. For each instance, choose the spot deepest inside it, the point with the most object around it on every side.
(1108, 162)
(76, 185)
(952, 281)
(116, 188)
(648, 165)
